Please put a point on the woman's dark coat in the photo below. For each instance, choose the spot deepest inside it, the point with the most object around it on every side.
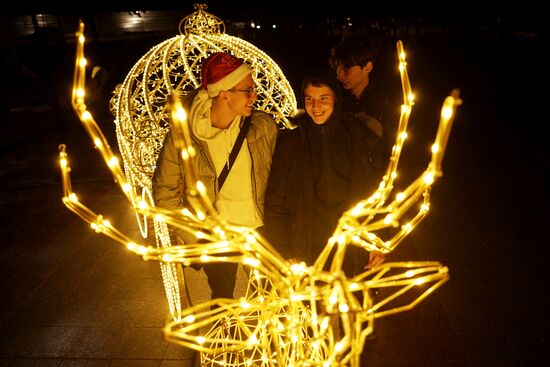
(318, 172)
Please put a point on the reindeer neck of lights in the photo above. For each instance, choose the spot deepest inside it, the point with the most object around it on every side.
(290, 314)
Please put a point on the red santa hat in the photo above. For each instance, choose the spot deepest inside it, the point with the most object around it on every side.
(222, 71)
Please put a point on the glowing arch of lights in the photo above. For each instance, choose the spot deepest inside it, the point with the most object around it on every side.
(291, 313)
(139, 103)
(142, 119)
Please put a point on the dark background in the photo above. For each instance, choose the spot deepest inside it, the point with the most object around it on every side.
(487, 213)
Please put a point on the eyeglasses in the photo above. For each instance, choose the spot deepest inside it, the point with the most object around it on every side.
(248, 90)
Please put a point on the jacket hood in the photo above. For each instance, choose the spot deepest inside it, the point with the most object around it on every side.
(200, 122)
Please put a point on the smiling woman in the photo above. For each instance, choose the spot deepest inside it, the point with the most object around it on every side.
(319, 102)
(325, 165)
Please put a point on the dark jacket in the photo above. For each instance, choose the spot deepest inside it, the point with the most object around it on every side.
(380, 102)
(318, 172)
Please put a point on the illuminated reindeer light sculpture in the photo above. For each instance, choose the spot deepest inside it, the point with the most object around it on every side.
(292, 314)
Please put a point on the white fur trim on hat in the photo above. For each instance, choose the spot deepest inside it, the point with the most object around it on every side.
(230, 80)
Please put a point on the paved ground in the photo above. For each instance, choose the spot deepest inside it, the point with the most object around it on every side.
(70, 297)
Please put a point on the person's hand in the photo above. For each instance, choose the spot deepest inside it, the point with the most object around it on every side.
(375, 258)
(375, 126)
(372, 124)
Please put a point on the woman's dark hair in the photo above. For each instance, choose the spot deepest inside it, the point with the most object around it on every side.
(320, 76)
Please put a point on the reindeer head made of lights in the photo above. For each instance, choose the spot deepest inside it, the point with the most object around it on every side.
(292, 314)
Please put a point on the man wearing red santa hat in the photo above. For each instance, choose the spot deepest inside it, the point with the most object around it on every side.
(234, 145)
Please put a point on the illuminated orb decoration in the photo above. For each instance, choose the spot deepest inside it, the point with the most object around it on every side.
(139, 103)
(142, 119)
(292, 314)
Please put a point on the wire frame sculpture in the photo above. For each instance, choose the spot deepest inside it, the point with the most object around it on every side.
(139, 103)
(292, 314)
(142, 119)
